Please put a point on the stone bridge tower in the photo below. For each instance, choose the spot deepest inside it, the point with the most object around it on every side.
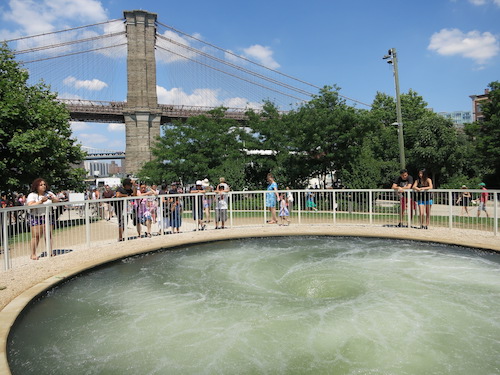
(142, 115)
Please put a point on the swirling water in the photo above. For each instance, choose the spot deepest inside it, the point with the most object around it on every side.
(295, 305)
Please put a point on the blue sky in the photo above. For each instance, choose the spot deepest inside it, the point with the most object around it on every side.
(447, 49)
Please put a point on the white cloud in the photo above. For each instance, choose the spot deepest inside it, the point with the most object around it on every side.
(93, 85)
(262, 54)
(116, 127)
(79, 126)
(35, 17)
(169, 51)
(241, 103)
(474, 45)
(201, 98)
(91, 139)
(484, 2)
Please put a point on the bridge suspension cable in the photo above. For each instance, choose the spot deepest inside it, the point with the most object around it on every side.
(251, 62)
(62, 31)
(232, 75)
(74, 53)
(240, 68)
(65, 44)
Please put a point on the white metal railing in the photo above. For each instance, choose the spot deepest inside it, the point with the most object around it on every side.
(81, 225)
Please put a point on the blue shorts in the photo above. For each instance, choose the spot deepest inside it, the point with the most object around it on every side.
(425, 203)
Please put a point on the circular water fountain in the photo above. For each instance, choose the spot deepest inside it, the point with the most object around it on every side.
(294, 305)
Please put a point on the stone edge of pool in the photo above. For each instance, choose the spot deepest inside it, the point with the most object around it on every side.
(113, 252)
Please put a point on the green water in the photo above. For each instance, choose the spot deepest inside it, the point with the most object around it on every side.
(307, 305)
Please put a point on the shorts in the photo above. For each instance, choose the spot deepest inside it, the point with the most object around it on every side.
(404, 200)
(425, 203)
(482, 206)
(221, 215)
(37, 220)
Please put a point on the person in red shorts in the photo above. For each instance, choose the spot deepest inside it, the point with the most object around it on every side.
(482, 200)
(403, 182)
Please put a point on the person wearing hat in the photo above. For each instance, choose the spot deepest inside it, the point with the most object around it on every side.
(483, 199)
(221, 205)
(198, 205)
(464, 201)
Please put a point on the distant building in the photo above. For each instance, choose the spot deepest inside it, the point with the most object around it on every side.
(115, 169)
(96, 169)
(459, 118)
(477, 102)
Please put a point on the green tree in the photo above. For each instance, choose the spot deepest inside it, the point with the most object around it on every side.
(269, 143)
(435, 146)
(35, 136)
(487, 135)
(328, 135)
(207, 146)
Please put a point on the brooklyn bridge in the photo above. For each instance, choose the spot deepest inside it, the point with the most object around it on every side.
(148, 47)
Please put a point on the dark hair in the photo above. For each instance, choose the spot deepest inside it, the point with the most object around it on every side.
(127, 181)
(425, 174)
(36, 183)
(403, 171)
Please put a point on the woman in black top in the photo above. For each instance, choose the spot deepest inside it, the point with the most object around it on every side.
(422, 185)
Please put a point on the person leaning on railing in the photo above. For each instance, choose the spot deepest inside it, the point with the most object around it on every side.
(126, 190)
(424, 197)
(39, 196)
(403, 182)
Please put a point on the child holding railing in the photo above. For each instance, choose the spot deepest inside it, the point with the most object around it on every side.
(284, 213)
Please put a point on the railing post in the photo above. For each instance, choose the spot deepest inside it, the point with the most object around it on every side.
(160, 218)
(230, 210)
(48, 230)
(124, 213)
(265, 208)
(5, 241)
(495, 213)
(87, 224)
(299, 208)
(450, 209)
(334, 207)
(196, 213)
(370, 206)
(409, 207)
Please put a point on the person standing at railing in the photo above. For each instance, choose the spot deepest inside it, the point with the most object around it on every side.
(198, 205)
(482, 200)
(144, 207)
(126, 190)
(402, 183)
(39, 196)
(464, 201)
(284, 213)
(271, 198)
(108, 207)
(221, 205)
(175, 207)
(424, 198)
(289, 200)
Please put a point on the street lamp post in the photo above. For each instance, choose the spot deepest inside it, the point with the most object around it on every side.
(391, 58)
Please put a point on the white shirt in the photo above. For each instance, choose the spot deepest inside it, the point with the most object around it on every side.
(34, 197)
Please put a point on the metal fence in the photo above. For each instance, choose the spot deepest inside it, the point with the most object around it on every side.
(76, 226)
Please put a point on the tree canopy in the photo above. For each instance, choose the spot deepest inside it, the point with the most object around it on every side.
(35, 136)
(325, 136)
(487, 135)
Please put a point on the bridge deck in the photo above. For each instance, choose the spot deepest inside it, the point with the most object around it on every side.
(106, 111)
